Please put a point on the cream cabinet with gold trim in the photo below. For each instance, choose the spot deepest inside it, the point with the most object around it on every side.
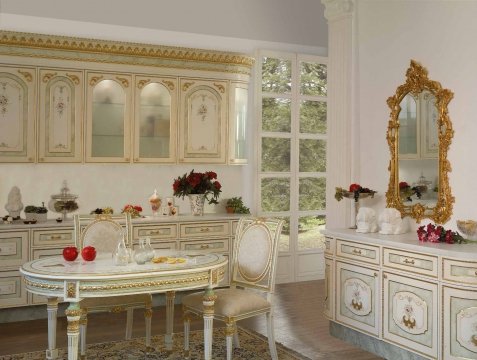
(17, 114)
(108, 117)
(60, 116)
(202, 122)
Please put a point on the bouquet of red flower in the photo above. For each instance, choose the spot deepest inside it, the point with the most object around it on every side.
(354, 192)
(134, 210)
(435, 234)
(198, 183)
(407, 191)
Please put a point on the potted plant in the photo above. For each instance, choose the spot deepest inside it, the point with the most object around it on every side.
(41, 213)
(30, 212)
(236, 205)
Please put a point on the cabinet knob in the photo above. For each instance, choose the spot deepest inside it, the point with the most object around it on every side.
(204, 229)
(407, 261)
(204, 246)
(356, 251)
(55, 237)
(155, 232)
(375, 274)
(385, 276)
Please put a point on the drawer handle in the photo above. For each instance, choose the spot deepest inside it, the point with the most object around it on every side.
(375, 274)
(55, 237)
(204, 229)
(204, 246)
(356, 251)
(155, 232)
(407, 261)
(385, 276)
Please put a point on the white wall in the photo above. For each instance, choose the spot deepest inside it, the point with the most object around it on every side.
(115, 185)
(441, 36)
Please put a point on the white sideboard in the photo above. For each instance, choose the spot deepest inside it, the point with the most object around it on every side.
(20, 243)
(403, 294)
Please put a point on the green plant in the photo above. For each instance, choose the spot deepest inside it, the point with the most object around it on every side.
(237, 205)
(30, 209)
(41, 209)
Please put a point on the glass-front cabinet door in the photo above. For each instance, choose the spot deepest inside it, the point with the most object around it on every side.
(17, 114)
(155, 119)
(108, 117)
(202, 126)
(61, 111)
(238, 123)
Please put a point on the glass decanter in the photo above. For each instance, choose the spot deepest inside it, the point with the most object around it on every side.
(141, 253)
(149, 248)
(121, 254)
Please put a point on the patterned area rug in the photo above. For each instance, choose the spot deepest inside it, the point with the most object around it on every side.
(253, 347)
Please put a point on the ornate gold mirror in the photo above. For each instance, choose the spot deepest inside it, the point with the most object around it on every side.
(419, 134)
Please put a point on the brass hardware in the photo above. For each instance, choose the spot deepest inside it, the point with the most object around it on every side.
(204, 246)
(409, 323)
(204, 229)
(154, 232)
(375, 274)
(55, 237)
(356, 251)
(407, 261)
(357, 305)
(385, 276)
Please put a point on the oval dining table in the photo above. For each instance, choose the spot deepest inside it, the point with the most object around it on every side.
(73, 281)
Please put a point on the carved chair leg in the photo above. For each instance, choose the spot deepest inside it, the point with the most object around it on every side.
(129, 323)
(83, 327)
(236, 338)
(229, 333)
(147, 318)
(271, 336)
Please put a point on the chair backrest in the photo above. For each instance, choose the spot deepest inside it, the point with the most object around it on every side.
(102, 231)
(255, 253)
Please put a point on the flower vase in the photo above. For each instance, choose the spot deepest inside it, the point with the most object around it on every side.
(197, 204)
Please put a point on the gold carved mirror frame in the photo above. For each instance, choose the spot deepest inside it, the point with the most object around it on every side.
(417, 81)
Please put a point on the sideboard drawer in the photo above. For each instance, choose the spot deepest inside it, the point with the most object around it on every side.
(459, 271)
(357, 251)
(409, 261)
(58, 237)
(163, 231)
(205, 229)
(217, 245)
(13, 248)
(12, 290)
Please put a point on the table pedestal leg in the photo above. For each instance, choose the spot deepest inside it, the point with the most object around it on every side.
(170, 295)
(73, 314)
(208, 302)
(52, 308)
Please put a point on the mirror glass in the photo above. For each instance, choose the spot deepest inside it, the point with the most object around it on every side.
(419, 135)
(108, 119)
(155, 121)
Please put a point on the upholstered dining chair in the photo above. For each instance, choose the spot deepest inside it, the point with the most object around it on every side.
(252, 284)
(103, 231)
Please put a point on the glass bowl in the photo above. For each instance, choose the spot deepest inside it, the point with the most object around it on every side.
(468, 228)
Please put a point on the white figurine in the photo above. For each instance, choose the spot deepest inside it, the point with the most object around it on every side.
(366, 221)
(14, 204)
(391, 223)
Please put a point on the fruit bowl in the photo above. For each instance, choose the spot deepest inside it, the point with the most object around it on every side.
(468, 228)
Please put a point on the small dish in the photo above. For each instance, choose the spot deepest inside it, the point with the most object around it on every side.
(58, 220)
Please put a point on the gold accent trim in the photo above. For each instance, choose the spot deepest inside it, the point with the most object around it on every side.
(208, 309)
(142, 83)
(52, 302)
(186, 85)
(148, 313)
(74, 78)
(117, 309)
(230, 328)
(41, 285)
(38, 45)
(28, 76)
(215, 276)
(48, 76)
(209, 297)
(73, 312)
(95, 79)
(220, 87)
(169, 84)
(124, 82)
(416, 82)
(71, 290)
(170, 295)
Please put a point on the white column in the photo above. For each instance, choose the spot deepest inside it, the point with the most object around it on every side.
(52, 308)
(170, 295)
(342, 133)
(208, 302)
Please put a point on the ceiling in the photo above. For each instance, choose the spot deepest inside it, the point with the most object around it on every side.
(287, 21)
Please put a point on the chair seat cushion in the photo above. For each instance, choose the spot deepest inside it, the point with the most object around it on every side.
(230, 302)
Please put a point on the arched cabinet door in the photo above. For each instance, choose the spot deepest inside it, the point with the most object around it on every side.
(108, 106)
(155, 119)
(60, 117)
(203, 121)
(17, 114)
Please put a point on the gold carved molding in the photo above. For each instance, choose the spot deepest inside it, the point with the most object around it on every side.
(74, 48)
(417, 81)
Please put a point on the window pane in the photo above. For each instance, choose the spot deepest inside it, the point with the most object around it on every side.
(284, 241)
(309, 236)
(312, 194)
(275, 154)
(276, 75)
(276, 114)
(312, 79)
(275, 194)
(312, 155)
(313, 117)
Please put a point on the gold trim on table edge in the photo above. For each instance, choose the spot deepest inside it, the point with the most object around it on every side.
(96, 46)
(93, 288)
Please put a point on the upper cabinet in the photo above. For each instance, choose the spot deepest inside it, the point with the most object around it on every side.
(17, 114)
(80, 100)
(60, 115)
(155, 119)
(202, 129)
(108, 105)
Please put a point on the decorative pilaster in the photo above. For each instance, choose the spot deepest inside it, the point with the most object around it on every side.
(170, 295)
(52, 309)
(73, 314)
(340, 159)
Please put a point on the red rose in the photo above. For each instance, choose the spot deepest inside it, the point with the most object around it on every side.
(211, 175)
(138, 208)
(217, 185)
(449, 237)
(354, 187)
(403, 185)
(176, 185)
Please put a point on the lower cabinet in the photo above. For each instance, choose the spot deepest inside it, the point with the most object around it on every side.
(12, 291)
(410, 313)
(357, 297)
(459, 323)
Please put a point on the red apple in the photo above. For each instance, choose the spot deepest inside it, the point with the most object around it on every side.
(88, 253)
(70, 253)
